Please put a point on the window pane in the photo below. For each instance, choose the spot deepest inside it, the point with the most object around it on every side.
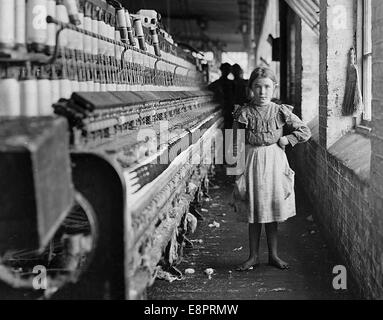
(367, 59)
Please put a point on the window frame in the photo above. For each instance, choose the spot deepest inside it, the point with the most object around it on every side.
(364, 49)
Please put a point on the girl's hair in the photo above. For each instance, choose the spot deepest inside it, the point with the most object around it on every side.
(261, 73)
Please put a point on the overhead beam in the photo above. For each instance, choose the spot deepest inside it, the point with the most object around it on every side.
(307, 10)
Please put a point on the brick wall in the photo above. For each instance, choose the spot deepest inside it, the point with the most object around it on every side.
(298, 65)
(376, 192)
(304, 70)
(337, 25)
(335, 173)
(341, 171)
(335, 167)
(340, 198)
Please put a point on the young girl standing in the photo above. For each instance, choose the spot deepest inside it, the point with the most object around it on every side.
(269, 196)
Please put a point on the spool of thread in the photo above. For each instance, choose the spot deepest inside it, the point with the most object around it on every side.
(65, 84)
(129, 29)
(134, 57)
(139, 33)
(95, 25)
(7, 24)
(80, 36)
(156, 42)
(10, 102)
(102, 31)
(121, 25)
(109, 87)
(90, 85)
(111, 24)
(128, 56)
(72, 40)
(44, 97)
(51, 27)
(37, 28)
(82, 86)
(62, 15)
(29, 100)
(73, 13)
(65, 88)
(117, 48)
(55, 90)
(114, 34)
(19, 23)
(87, 40)
(97, 86)
(110, 46)
(75, 85)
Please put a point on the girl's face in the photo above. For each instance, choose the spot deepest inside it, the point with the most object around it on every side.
(263, 90)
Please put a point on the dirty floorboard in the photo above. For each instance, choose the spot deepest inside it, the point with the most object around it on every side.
(223, 248)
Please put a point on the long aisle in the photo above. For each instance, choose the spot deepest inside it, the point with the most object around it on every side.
(223, 248)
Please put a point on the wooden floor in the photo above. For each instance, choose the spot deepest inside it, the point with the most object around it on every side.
(223, 248)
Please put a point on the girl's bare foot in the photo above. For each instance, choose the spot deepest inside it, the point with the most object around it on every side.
(277, 262)
(250, 264)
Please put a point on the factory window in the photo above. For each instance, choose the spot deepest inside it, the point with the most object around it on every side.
(365, 61)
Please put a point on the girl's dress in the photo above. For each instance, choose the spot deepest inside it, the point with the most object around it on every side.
(268, 178)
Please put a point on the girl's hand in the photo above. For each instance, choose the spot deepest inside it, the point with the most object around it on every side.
(283, 142)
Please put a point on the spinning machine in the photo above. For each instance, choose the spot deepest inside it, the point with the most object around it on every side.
(107, 140)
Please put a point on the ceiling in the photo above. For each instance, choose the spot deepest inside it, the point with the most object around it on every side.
(223, 24)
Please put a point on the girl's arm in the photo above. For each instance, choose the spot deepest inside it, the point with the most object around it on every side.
(300, 131)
